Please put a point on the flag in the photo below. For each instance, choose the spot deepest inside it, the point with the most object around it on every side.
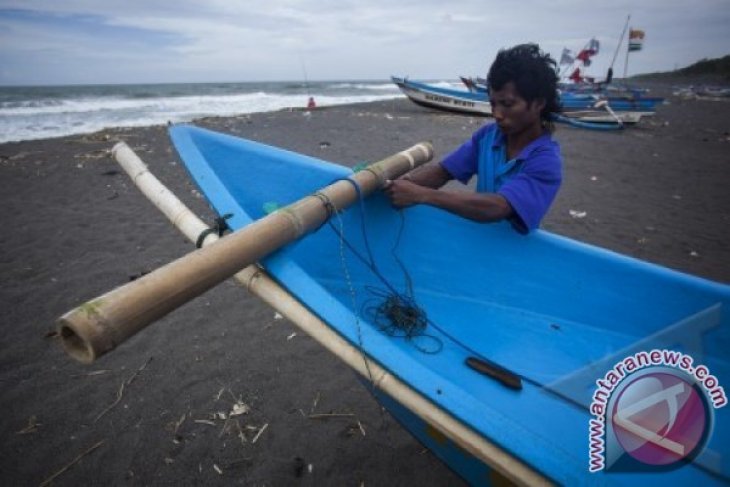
(567, 57)
(636, 40)
(593, 45)
(585, 56)
(575, 76)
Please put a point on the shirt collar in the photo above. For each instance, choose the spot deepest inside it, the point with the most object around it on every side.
(500, 140)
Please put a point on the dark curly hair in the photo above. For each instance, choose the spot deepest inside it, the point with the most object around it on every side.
(533, 72)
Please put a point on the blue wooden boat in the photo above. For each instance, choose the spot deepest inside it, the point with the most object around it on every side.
(626, 102)
(580, 111)
(477, 101)
(554, 312)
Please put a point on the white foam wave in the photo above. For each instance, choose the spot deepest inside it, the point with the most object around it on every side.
(85, 115)
(366, 86)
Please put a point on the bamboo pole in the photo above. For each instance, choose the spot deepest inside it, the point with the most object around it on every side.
(258, 282)
(100, 325)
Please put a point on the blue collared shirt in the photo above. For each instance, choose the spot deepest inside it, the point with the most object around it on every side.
(529, 182)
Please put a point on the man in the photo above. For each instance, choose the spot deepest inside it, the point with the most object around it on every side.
(517, 163)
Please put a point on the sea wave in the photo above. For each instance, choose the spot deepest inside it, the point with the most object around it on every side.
(379, 86)
(36, 119)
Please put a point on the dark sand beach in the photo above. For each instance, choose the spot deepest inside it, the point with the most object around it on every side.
(152, 412)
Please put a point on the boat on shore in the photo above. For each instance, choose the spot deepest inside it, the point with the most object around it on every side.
(582, 112)
(510, 348)
(440, 98)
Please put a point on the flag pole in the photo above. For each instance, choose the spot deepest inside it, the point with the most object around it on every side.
(628, 47)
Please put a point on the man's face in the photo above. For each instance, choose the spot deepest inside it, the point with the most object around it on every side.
(511, 112)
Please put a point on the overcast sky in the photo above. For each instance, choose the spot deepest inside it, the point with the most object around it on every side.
(131, 41)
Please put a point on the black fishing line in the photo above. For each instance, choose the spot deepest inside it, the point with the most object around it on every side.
(392, 312)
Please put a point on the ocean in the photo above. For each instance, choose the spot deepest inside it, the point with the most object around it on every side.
(53, 111)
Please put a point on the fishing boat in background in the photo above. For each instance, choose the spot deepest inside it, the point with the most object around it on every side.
(510, 347)
(584, 96)
(588, 112)
(441, 98)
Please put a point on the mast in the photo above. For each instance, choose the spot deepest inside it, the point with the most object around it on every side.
(620, 40)
(626, 62)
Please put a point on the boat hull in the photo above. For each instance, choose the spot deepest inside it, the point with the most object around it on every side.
(557, 312)
(444, 99)
(476, 102)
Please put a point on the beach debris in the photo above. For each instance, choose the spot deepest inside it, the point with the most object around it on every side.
(217, 469)
(389, 116)
(694, 254)
(314, 403)
(120, 393)
(594, 178)
(32, 426)
(73, 462)
(278, 316)
(362, 428)
(95, 154)
(577, 213)
(324, 144)
(291, 336)
(204, 421)
(179, 423)
(169, 460)
(261, 431)
(239, 409)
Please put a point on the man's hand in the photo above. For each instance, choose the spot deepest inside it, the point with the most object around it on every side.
(404, 193)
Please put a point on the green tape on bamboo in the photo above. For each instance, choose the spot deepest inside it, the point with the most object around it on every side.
(359, 167)
(270, 207)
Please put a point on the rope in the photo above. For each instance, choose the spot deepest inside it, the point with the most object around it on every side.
(393, 313)
(219, 227)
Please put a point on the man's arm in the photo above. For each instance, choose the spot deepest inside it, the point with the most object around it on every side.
(480, 207)
(429, 176)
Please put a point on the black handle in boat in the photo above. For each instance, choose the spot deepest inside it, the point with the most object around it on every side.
(509, 379)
